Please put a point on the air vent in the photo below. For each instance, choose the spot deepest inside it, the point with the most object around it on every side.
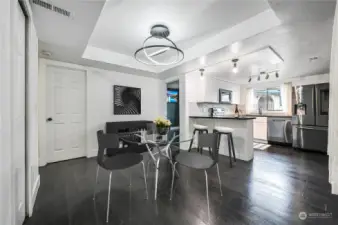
(43, 4)
(51, 7)
(61, 11)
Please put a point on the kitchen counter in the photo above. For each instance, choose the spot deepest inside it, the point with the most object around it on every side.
(259, 115)
(224, 117)
(242, 134)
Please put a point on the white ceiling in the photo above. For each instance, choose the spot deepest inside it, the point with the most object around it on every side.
(106, 34)
(124, 25)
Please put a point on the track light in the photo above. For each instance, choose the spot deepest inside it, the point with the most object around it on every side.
(277, 74)
(235, 69)
(267, 76)
(249, 79)
(259, 77)
(202, 75)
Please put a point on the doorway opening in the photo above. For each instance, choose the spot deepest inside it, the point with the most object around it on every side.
(173, 106)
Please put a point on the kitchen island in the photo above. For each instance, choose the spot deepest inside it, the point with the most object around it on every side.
(242, 135)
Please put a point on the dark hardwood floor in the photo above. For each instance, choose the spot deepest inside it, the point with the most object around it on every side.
(272, 189)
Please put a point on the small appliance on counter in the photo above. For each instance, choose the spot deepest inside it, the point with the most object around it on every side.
(216, 112)
(310, 117)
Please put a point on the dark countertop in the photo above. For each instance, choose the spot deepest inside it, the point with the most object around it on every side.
(258, 115)
(224, 117)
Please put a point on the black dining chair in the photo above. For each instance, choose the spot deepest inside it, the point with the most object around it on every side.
(118, 161)
(197, 161)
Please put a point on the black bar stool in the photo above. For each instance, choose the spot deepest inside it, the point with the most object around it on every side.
(200, 129)
(228, 132)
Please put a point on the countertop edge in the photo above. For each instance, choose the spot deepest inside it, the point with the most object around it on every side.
(223, 118)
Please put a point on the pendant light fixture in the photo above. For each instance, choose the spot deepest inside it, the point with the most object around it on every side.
(235, 68)
(158, 49)
(202, 74)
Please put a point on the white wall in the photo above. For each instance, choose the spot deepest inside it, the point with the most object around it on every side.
(333, 116)
(32, 132)
(212, 86)
(7, 189)
(99, 101)
(6, 204)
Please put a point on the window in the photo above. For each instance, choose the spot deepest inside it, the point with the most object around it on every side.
(267, 99)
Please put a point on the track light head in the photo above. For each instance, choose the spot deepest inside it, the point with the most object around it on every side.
(267, 76)
(249, 79)
(277, 74)
(202, 74)
(234, 69)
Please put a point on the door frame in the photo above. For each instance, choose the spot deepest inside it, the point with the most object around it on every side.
(43, 65)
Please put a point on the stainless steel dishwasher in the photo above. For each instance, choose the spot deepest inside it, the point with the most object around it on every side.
(280, 130)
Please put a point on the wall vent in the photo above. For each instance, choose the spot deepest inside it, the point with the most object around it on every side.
(61, 11)
(51, 7)
(43, 4)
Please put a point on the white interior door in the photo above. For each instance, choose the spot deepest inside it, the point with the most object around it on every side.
(65, 113)
(18, 112)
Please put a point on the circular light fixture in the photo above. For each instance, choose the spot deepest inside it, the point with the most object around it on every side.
(202, 75)
(158, 49)
(235, 69)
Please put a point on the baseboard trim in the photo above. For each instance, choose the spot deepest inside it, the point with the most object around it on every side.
(334, 188)
(92, 153)
(34, 195)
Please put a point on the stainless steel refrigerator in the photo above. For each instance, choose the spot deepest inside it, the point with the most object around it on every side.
(310, 117)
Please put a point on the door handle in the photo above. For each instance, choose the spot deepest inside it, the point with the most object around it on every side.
(49, 119)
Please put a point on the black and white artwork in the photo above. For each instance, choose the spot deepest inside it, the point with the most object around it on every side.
(127, 100)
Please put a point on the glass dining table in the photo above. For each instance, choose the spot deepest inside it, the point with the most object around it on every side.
(159, 147)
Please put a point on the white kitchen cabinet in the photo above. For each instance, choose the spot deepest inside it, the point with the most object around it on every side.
(260, 131)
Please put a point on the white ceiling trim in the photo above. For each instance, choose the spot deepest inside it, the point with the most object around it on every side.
(253, 26)
(106, 56)
(248, 28)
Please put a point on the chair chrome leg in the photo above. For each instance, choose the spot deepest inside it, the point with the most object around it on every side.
(156, 176)
(219, 179)
(96, 179)
(207, 190)
(148, 163)
(172, 180)
(145, 179)
(172, 166)
(108, 200)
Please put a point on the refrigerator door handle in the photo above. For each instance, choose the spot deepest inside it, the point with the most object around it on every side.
(285, 136)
